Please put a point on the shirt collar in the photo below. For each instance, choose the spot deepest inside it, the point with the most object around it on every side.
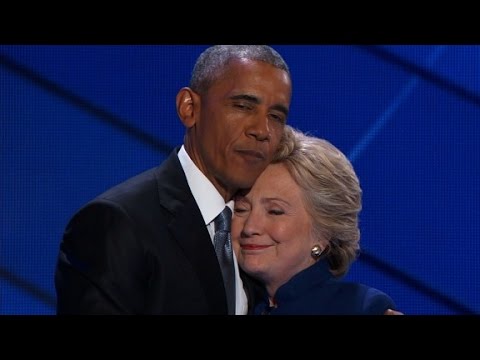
(208, 199)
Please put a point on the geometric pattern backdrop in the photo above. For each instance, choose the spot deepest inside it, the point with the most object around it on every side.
(77, 119)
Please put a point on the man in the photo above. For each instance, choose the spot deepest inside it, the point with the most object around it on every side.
(145, 246)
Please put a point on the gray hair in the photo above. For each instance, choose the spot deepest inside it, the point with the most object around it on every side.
(331, 192)
(211, 63)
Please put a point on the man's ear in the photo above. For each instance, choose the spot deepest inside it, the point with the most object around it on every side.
(187, 106)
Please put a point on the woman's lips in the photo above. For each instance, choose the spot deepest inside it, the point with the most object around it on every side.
(253, 247)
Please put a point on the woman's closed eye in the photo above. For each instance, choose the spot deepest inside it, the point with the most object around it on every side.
(240, 210)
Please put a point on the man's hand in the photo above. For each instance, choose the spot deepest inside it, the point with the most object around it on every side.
(392, 312)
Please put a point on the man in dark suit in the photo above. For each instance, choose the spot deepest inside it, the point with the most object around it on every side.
(145, 246)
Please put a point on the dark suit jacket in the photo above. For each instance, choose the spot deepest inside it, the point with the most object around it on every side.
(141, 248)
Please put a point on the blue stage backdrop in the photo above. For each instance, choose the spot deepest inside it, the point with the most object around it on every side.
(76, 120)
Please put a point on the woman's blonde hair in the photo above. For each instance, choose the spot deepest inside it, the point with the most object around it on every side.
(331, 191)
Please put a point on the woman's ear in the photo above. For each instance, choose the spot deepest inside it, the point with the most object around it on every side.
(187, 104)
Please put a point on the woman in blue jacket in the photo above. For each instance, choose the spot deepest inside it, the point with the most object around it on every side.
(296, 231)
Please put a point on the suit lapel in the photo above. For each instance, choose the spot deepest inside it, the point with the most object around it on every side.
(189, 230)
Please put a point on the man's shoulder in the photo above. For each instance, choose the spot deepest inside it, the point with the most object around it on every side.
(152, 191)
(132, 186)
(142, 184)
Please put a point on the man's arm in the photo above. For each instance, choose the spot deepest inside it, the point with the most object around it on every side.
(100, 263)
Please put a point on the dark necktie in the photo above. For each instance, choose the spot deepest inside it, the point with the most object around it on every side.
(223, 247)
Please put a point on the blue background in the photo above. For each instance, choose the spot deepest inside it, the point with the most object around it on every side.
(77, 119)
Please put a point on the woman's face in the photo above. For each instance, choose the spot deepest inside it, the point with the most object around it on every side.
(271, 228)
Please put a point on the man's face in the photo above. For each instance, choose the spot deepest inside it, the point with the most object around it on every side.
(239, 124)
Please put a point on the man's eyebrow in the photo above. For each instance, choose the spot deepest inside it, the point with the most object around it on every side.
(256, 100)
(280, 108)
(246, 97)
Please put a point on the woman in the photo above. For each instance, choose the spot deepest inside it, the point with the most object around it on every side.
(296, 230)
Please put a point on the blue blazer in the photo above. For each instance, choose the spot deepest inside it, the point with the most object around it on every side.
(141, 248)
(314, 291)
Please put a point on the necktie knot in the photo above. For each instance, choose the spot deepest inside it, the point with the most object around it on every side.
(223, 220)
